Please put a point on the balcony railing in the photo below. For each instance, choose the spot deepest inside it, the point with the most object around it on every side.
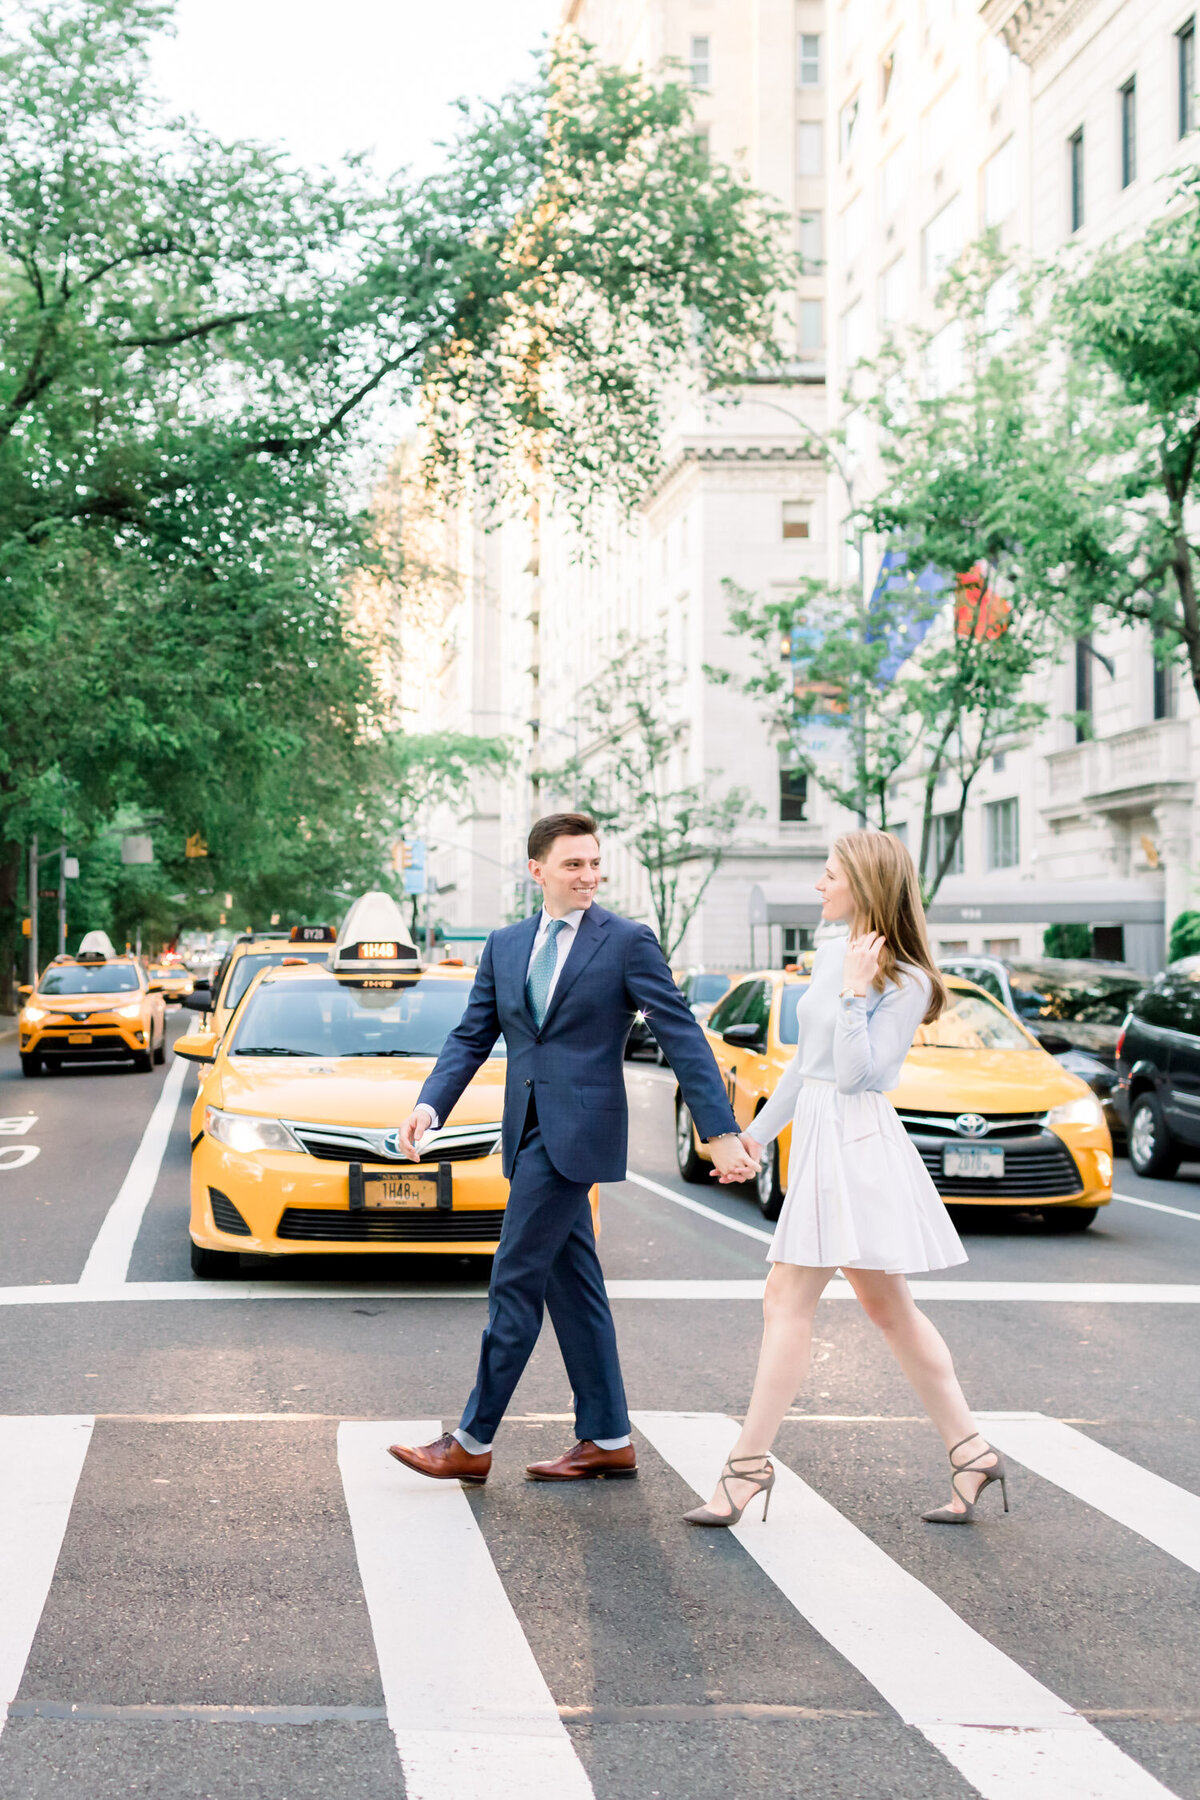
(1115, 774)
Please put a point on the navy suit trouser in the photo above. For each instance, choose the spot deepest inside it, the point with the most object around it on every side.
(546, 1258)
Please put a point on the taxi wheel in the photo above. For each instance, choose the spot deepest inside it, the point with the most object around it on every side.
(691, 1165)
(142, 1062)
(215, 1265)
(31, 1063)
(1151, 1150)
(767, 1184)
(1068, 1218)
(160, 1055)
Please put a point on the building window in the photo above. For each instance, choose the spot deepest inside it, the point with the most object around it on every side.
(893, 292)
(793, 796)
(1128, 97)
(1075, 159)
(941, 242)
(1185, 39)
(797, 519)
(1166, 687)
(941, 830)
(1006, 947)
(810, 235)
(1083, 689)
(809, 147)
(999, 762)
(1002, 834)
(847, 124)
(812, 325)
(809, 64)
(854, 229)
(796, 940)
(700, 62)
(887, 74)
(1000, 184)
(900, 832)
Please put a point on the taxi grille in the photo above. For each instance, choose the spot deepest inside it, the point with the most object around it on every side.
(390, 1225)
(1043, 1169)
(330, 1150)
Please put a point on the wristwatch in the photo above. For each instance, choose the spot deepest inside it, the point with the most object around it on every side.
(849, 993)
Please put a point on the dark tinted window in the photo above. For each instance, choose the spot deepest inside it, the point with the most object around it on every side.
(757, 1010)
(1172, 1002)
(247, 967)
(1086, 997)
(102, 978)
(729, 1010)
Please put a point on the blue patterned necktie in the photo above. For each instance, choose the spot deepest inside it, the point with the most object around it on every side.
(541, 973)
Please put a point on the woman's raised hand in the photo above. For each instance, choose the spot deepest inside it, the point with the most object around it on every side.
(862, 961)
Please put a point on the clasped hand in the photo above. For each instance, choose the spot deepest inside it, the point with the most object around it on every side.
(735, 1158)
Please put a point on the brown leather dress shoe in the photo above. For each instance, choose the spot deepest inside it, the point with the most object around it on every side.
(587, 1463)
(444, 1460)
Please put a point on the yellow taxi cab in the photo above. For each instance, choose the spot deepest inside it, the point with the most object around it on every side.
(997, 1121)
(253, 951)
(175, 981)
(92, 1007)
(295, 1126)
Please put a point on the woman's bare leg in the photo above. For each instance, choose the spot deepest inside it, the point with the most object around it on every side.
(921, 1351)
(789, 1303)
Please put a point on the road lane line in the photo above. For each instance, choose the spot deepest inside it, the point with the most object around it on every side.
(705, 1212)
(1179, 1212)
(41, 1460)
(108, 1259)
(471, 1713)
(1048, 1293)
(1165, 1515)
(1009, 1736)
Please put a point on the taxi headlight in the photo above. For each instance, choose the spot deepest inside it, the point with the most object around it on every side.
(242, 1131)
(133, 1011)
(1087, 1110)
(32, 1014)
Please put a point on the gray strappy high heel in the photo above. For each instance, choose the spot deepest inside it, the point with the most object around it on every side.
(947, 1515)
(763, 1477)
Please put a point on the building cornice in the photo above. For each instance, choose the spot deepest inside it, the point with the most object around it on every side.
(729, 456)
(1033, 28)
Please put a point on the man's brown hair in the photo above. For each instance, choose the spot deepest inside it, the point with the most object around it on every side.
(556, 825)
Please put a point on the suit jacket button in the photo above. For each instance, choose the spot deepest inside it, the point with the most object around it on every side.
(528, 1084)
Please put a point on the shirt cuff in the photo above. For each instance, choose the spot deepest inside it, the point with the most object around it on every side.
(424, 1106)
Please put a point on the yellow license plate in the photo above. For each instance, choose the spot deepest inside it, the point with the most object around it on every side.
(79, 1037)
(413, 1191)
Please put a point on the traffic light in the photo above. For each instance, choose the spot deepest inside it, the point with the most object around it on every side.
(402, 856)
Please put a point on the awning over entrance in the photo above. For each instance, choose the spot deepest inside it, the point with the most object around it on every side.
(969, 903)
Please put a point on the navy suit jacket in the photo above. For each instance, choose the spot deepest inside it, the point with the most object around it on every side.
(574, 1066)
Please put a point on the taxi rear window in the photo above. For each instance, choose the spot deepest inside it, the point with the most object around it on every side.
(334, 1018)
(247, 967)
(100, 978)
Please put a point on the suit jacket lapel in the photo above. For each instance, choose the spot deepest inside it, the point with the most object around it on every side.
(517, 966)
(588, 939)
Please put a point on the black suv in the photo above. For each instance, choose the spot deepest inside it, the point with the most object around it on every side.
(1158, 1072)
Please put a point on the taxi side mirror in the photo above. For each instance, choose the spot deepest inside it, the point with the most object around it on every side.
(745, 1037)
(196, 1046)
(200, 983)
(197, 1001)
(24, 990)
(156, 987)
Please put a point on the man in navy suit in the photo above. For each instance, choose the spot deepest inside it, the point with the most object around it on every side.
(563, 987)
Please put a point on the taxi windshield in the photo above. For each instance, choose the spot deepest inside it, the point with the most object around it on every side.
(971, 1022)
(335, 1018)
(94, 978)
(708, 987)
(247, 967)
(1084, 998)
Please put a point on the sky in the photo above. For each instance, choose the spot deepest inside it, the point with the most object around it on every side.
(325, 77)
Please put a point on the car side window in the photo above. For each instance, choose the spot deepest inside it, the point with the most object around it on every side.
(729, 1010)
(989, 981)
(1172, 1003)
(757, 1010)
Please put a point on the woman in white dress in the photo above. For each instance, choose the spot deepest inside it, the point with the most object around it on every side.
(859, 1197)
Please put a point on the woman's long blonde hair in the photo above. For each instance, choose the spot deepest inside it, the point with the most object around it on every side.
(887, 899)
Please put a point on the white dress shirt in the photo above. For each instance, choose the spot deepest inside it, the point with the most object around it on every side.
(562, 945)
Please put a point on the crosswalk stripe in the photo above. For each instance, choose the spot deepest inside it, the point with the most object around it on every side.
(41, 1458)
(469, 1707)
(1009, 1736)
(1165, 1515)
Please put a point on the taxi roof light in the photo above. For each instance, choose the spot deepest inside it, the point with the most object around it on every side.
(374, 938)
(95, 946)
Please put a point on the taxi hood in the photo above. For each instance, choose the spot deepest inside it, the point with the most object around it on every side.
(983, 1081)
(347, 1090)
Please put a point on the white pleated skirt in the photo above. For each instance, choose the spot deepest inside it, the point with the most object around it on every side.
(858, 1194)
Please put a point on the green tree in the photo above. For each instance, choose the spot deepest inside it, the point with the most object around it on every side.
(194, 338)
(628, 776)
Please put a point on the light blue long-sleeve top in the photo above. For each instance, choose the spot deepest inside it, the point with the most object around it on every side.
(860, 1044)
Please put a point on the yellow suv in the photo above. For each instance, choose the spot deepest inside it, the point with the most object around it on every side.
(997, 1121)
(295, 1126)
(94, 1007)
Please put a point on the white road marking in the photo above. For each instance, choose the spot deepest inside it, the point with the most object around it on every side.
(18, 1156)
(471, 1713)
(18, 1126)
(1048, 1293)
(705, 1212)
(1179, 1212)
(108, 1259)
(41, 1459)
(1009, 1736)
(1165, 1515)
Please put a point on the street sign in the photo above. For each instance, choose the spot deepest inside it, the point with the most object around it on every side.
(71, 868)
(414, 867)
(137, 850)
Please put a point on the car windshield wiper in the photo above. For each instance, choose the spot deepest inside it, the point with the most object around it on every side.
(385, 1053)
(273, 1050)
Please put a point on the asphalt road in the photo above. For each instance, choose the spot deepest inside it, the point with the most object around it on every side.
(214, 1586)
